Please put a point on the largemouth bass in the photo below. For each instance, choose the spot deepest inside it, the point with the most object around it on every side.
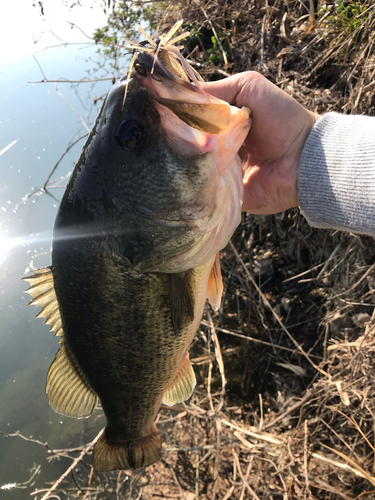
(155, 195)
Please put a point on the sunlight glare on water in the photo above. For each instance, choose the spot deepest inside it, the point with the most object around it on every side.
(6, 245)
(36, 30)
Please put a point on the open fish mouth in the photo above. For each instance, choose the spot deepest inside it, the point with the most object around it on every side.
(173, 89)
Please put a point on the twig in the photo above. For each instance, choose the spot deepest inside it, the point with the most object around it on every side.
(43, 189)
(309, 27)
(71, 81)
(228, 494)
(265, 23)
(72, 489)
(81, 30)
(262, 41)
(18, 434)
(216, 36)
(364, 493)
(246, 477)
(267, 303)
(84, 452)
(196, 461)
(75, 481)
(220, 363)
(69, 147)
(338, 436)
(250, 432)
(209, 373)
(247, 443)
(299, 403)
(279, 474)
(322, 271)
(340, 465)
(257, 341)
(23, 485)
(316, 482)
(261, 411)
(307, 490)
(177, 482)
(251, 491)
(192, 448)
(283, 34)
(304, 272)
(219, 359)
(118, 485)
(40, 67)
(96, 99)
(73, 109)
(369, 270)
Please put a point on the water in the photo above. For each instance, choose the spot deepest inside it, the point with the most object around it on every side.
(44, 124)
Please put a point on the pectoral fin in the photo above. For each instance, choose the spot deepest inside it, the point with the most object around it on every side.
(67, 390)
(215, 285)
(181, 299)
(182, 386)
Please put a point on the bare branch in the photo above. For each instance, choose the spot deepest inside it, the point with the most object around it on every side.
(84, 452)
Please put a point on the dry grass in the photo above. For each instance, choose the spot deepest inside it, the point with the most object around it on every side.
(327, 64)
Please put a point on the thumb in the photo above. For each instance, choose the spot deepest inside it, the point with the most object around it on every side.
(229, 88)
(226, 89)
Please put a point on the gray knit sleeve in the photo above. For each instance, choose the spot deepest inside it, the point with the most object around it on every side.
(336, 185)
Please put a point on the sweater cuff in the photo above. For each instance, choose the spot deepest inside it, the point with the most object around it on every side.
(336, 185)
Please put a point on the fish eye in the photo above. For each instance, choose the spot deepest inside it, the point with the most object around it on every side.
(130, 134)
(140, 70)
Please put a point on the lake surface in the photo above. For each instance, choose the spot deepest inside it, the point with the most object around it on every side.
(44, 124)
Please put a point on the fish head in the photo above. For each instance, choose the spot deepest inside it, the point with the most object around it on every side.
(159, 171)
(205, 134)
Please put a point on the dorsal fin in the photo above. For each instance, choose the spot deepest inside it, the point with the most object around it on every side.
(181, 299)
(215, 285)
(67, 389)
(183, 384)
(42, 291)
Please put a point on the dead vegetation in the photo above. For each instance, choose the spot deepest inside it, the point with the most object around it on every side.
(285, 402)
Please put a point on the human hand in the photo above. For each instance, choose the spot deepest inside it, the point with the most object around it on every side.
(272, 151)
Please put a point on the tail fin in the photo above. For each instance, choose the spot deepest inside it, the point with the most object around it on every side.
(143, 451)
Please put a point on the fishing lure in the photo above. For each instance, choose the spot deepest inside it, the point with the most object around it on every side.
(171, 56)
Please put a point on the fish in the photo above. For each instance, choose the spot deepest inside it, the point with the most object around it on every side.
(155, 195)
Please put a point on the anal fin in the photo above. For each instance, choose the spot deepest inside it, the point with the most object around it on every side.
(67, 390)
(182, 386)
(215, 285)
(140, 452)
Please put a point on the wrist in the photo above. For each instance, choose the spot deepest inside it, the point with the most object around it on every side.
(310, 123)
